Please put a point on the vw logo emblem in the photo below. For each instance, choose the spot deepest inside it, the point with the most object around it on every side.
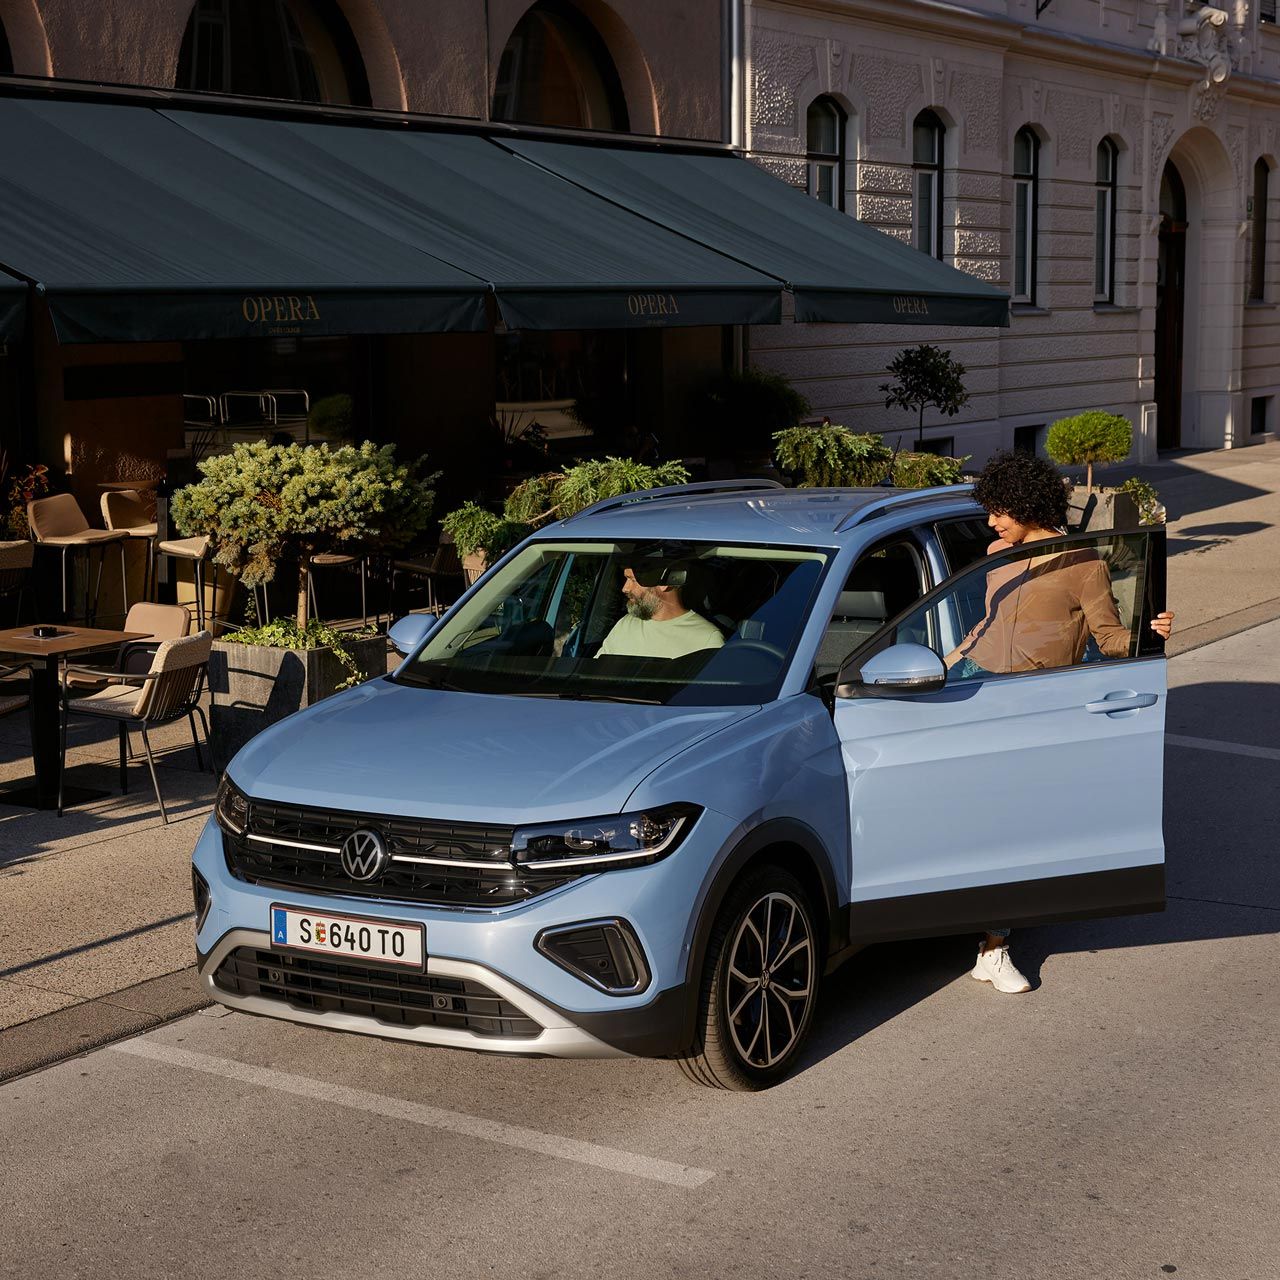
(364, 855)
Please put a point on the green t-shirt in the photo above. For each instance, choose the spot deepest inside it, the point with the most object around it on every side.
(633, 638)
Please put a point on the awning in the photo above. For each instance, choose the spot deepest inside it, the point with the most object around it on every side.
(13, 307)
(143, 223)
(135, 230)
(557, 256)
(839, 269)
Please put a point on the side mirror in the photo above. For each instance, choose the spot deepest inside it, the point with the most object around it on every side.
(900, 669)
(410, 631)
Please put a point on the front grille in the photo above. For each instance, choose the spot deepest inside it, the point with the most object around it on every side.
(454, 879)
(389, 995)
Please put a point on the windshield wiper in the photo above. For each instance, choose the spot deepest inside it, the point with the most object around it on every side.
(606, 697)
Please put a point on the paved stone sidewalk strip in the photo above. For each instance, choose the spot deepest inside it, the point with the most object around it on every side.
(1213, 744)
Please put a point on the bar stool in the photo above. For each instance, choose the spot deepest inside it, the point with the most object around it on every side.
(339, 560)
(58, 522)
(197, 551)
(124, 509)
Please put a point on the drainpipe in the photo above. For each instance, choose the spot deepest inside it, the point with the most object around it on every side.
(734, 71)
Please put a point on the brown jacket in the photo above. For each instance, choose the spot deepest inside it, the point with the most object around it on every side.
(1042, 610)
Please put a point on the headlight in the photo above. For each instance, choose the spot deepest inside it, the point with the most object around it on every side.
(630, 839)
(231, 808)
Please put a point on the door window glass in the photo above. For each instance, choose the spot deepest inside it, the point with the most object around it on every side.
(1057, 603)
(885, 581)
(965, 541)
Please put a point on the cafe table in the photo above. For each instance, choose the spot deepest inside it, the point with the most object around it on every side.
(44, 654)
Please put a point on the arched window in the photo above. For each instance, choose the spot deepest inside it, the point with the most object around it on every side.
(297, 49)
(556, 70)
(825, 144)
(1258, 256)
(1026, 202)
(1104, 222)
(927, 140)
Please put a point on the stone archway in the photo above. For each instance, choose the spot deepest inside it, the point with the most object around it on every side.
(1208, 385)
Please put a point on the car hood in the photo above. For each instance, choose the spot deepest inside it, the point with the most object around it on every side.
(396, 749)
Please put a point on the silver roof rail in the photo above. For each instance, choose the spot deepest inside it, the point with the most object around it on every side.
(674, 491)
(901, 498)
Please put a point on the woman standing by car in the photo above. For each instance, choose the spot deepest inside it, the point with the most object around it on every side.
(1061, 603)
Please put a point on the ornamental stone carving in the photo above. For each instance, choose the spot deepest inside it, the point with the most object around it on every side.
(1161, 141)
(1077, 121)
(972, 97)
(1199, 33)
(1131, 130)
(780, 66)
(1235, 148)
(887, 87)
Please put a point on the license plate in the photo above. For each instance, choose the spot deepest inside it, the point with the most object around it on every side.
(385, 941)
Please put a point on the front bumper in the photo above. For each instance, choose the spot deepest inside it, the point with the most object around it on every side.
(495, 948)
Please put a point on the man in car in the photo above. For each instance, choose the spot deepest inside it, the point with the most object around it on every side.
(658, 623)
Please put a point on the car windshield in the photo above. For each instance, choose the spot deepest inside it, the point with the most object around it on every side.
(685, 623)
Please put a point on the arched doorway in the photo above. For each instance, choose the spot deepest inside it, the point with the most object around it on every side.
(1198, 296)
(1171, 281)
(556, 69)
(302, 50)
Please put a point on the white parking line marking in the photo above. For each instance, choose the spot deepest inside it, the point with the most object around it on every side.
(1215, 744)
(547, 1144)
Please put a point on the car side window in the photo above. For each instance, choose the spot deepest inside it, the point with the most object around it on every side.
(886, 580)
(1047, 605)
(964, 542)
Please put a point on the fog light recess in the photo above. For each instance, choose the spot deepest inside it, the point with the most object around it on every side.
(603, 953)
(203, 897)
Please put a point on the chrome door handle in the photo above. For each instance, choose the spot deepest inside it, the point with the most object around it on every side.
(1122, 700)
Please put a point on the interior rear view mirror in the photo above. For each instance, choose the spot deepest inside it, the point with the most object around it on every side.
(901, 669)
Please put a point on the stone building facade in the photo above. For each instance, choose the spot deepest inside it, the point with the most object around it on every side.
(1109, 162)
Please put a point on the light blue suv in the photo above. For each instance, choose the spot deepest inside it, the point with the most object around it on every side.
(557, 830)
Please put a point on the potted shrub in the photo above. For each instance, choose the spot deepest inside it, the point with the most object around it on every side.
(264, 505)
(925, 377)
(832, 456)
(482, 536)
(1094, 437)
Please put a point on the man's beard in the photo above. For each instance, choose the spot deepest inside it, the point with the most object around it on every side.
(642, 606)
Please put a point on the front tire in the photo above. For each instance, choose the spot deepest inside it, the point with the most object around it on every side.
(759, 984)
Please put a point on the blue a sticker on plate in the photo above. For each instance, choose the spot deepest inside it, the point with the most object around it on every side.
(279, 926)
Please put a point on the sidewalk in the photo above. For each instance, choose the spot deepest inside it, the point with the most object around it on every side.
(95, 907)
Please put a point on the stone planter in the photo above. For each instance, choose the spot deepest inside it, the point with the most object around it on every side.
(251, 687)
(1103, 509)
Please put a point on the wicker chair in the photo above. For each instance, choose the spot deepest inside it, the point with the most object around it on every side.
(158, 621)
(442, 563)
(169, 691)
(9, 700)
(125, 509)
(15, 570)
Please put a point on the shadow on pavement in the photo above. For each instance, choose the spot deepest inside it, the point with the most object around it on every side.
(1203, 537)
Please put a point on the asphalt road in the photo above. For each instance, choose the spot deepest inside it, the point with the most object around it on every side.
(1120, 1121)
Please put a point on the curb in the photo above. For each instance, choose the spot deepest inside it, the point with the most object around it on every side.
(1229, 624)
(65, 1033)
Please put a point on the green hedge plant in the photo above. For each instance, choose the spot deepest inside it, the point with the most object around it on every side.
(832, 456)
(262, 504)
(1088, 439)
(555, 495)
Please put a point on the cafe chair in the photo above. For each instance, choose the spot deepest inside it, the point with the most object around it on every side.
(124, 509)
(15, 570)
(169, 690)
(158, 622)
(443, 563)
(9, 699)
(196, 550)
(58, 522)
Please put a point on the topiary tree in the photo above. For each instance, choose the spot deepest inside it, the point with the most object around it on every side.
(1088, 438)
(262, 503)
(925, 377)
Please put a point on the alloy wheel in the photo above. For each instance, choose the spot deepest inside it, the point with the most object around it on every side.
(769, 979)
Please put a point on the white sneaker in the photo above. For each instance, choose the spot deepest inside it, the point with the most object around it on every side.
(995, 967)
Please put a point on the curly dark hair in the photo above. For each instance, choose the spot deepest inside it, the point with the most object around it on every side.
(1025, 487)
